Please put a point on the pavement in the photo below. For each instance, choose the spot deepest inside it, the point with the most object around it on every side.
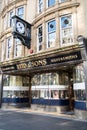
(68, 115)
(26, 119)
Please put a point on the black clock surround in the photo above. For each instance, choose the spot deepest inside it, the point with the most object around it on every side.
(22, 30)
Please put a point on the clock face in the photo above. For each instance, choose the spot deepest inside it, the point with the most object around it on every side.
(20, 27)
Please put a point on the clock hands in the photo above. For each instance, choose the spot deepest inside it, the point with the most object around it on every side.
(20, 27)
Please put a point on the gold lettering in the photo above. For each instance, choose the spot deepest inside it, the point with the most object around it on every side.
(44, 62)
(22, 66)
(37, 63)
(8, 68)
(64, 58)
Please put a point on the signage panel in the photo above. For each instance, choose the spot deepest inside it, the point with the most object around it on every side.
(58, 59)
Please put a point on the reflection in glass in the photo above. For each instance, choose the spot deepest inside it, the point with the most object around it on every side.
(39, 38)
(50, 86)
(51, 3)
(79, 83)
(79, 74)
(51, 33)
(66, 31)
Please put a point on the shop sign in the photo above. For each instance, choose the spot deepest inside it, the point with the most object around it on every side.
(58, 59)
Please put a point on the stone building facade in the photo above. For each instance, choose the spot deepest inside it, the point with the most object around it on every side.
(50, 74)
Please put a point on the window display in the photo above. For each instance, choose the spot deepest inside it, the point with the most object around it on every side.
(79, 83)
(50, 86)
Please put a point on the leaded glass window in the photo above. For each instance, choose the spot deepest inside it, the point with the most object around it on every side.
(39, 38)
(51, 3)
(66, 32)
(9, 47)
(18, 47)
(11, 13)
(51, 33)
(20, 12)
(40, 7)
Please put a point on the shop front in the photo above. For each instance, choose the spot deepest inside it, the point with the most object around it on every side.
(80, 103)
(45, 81)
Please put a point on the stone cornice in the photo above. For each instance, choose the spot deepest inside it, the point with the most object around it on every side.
(53, 10)
(41, 55)
(4, 33)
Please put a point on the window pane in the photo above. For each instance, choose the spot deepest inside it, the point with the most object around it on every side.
(3, 51)
(47, 86)
(20, 12)
(25, 81)
(9, 46)
(51, 33)
(40, 31)
(66, 21)
(79, 74)
(18, 47)
(6, 80)
(10, 18)
(66, 30)
(40, 5)
(51, 40)
(51, 26)
(51, 2)
(39, 38)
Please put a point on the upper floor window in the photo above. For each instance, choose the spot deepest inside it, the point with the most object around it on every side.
(11, 13)
(18, 48)
(51, 3)
(3, 50)
(20, 12)
(9, 47)
(39, 38)
(66, 32)
(7, 19)
(40, 6)
(51, 33)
